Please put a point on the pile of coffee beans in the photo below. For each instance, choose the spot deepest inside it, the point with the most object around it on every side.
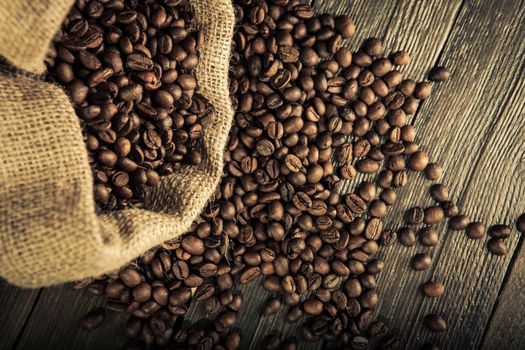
(310, 113)
(128, 67)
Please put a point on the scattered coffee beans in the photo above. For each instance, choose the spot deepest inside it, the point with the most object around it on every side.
(309, 113)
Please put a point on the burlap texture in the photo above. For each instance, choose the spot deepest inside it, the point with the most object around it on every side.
(49, 231)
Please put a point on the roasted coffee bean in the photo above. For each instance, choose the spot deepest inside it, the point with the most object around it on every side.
(439, 193)
(450, 208)
(272, 306)
(389, 237)
(421, 262)
(520, 223)
(313, 306)
(497, 246)
(476, 230)
(406, 236)
(433, 215)
(499, 231)
(429, 236)
(418, 161)
(93, 319)
(439, 74)
(433, 171)
(415, 216)
(459, 222)
(435, 323)
(433, 289)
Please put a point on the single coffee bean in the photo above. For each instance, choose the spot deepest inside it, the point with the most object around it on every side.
(313, 306)
(406, 236)
(421, 262)
(497, 246)
(400, 58)
(438, 74)
(389, 237)
(458, 222)
(418, 161)
(435, 323)
(499, 231)
(345, 25)
(520, 223)
(476, 230)
(93, 319)
(433, 171)
(439, 192)
(415, 215)
(272, 306)
(429, 236)
(433, 289)
(450, 208)
(433, 215)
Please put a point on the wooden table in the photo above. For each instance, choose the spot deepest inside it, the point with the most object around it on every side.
(474, 125)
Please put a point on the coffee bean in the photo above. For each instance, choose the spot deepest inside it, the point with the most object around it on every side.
(415, 215)
(433, 171)
(433, 215)
(476, 230)
(389, 237)
(429, 236)
(499, 231)
(439, 192)
(497, 246)
(250, 274)
(450, 208)
(272, 306)
(418, 161)
(406, 236)
(439, 74)
(193, 245)
(421, 262)
(313, 306)
(435, 323)
(400, 58)
(459, 222)
(520, 223)
(345, 25)
(433, 289)
(93, 319)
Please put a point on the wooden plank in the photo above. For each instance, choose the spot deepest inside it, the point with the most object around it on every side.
(55, 322)
(15, 307)
(509, 309)
(472, 125)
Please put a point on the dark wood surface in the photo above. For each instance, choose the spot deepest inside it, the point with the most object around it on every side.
(474, 125)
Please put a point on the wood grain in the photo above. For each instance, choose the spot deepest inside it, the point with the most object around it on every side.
(15, 307)
(55, 323)
(471, 127)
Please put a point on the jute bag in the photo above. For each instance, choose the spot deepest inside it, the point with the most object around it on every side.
(49, 231)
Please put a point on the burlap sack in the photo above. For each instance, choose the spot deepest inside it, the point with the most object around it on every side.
(49, 232)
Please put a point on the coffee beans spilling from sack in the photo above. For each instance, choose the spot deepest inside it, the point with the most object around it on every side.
(128, 67)
(310, 113)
